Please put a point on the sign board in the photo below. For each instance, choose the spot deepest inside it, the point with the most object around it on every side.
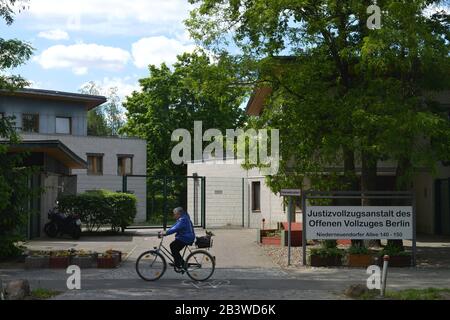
(357, 222)
(290, 192)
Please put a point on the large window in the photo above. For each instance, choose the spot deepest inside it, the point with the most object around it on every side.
(124, 165)
(63, 125)
(30, 122)
(95, 164)
(256, 196)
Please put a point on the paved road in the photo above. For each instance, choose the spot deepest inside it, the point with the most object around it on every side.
(244, 272)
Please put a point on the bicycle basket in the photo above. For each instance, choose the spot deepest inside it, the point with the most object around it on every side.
(204, 242)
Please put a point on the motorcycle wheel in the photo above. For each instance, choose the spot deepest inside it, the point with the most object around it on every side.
(76, 234)
(51, 230)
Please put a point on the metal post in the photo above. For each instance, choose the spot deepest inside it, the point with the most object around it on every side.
(125, 184)
(165, 204)
(304, 195)
(384, 277)
(203, 202)
(243, 203)
(414, 247)
(289, 228)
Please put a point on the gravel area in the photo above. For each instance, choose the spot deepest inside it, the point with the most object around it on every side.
(279, 255)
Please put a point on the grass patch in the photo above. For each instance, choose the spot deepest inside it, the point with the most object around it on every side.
(43, 294)
(410, 294)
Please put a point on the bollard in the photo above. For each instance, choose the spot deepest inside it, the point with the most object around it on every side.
(384, 277)
(263, 223)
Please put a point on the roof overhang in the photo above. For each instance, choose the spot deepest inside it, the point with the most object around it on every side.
(89, 101)
(54, 148)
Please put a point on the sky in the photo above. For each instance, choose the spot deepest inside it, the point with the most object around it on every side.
(111, 42)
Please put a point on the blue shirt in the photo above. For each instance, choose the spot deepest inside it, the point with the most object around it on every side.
(184, 229)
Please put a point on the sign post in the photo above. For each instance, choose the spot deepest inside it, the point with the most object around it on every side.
(359, 222)
(290, 193)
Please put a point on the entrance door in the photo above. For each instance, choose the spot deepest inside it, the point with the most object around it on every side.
(442, 207)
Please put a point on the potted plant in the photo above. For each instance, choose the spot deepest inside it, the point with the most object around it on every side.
(359, 256)
(327, 255)
(398, 257)
(270, 237)
(37, 260)
(115, 253)
(59, 259)
(84, 259)
(107, 260)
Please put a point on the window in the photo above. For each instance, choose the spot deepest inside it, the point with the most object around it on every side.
(256, 196)
(124, 165)
(63, 125)
(30, 122)
(95, 164)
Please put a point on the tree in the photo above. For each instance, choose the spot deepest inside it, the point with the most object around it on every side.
(14, 191)
(195, 90)
(352, 95)
(107, 119)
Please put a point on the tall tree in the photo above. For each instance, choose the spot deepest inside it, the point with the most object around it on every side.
(107, 119)
(14, 191)
(196, 89)
(352, 95)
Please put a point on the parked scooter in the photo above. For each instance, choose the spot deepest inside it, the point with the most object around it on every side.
(61, 224)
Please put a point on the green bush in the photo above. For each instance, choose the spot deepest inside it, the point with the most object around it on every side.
(100, 208)
(393, 250)
(327, 252)
(358, 250)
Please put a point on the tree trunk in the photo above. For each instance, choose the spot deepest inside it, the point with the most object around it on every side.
(369, 183)
(402, 184)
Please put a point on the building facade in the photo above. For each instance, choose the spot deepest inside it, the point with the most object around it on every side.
(53, 127)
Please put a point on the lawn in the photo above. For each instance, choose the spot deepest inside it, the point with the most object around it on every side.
(411, 294)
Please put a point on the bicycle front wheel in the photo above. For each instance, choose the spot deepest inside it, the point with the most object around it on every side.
(200, 265)
(151, 265)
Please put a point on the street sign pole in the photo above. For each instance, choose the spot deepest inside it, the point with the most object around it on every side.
(304, 195)
(289, 228)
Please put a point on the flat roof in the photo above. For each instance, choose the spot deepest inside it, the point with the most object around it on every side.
(90, 101)
(54, 148)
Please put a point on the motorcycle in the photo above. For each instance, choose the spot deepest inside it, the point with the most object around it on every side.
(61, 224)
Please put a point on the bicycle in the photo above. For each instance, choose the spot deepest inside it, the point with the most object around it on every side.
(151, 265)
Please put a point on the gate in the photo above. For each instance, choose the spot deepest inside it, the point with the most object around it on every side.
(161, 194)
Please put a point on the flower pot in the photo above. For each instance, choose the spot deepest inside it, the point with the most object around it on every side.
(396, 261)
(108, 262)
(271, 241)
(85, 261)
(36, 262)
(328, 261)
(359, 260)
(59, 262)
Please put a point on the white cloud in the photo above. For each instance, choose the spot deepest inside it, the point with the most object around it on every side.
(56, 34)
(110, 16)
(155, 50)
(82, 57)
(125, 86)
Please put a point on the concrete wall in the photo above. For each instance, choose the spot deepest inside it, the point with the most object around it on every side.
(48, 110)
(228, 196)
(110, 147)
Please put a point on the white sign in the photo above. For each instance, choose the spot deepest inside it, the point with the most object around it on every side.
(290, 192)
(359, 222)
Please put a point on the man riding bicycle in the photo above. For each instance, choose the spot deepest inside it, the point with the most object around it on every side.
(185, 235)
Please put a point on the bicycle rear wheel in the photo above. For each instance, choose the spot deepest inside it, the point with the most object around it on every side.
(151, 265)
(200, 265)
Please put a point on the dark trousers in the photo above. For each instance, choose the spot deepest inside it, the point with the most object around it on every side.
(176, 246)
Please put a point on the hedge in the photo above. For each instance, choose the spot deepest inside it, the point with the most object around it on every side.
(100, 208)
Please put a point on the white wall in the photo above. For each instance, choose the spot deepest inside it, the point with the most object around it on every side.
(224, 195)
(110, 147)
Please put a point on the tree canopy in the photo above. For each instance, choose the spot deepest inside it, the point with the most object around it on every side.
(195, 89)
(351, 95)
